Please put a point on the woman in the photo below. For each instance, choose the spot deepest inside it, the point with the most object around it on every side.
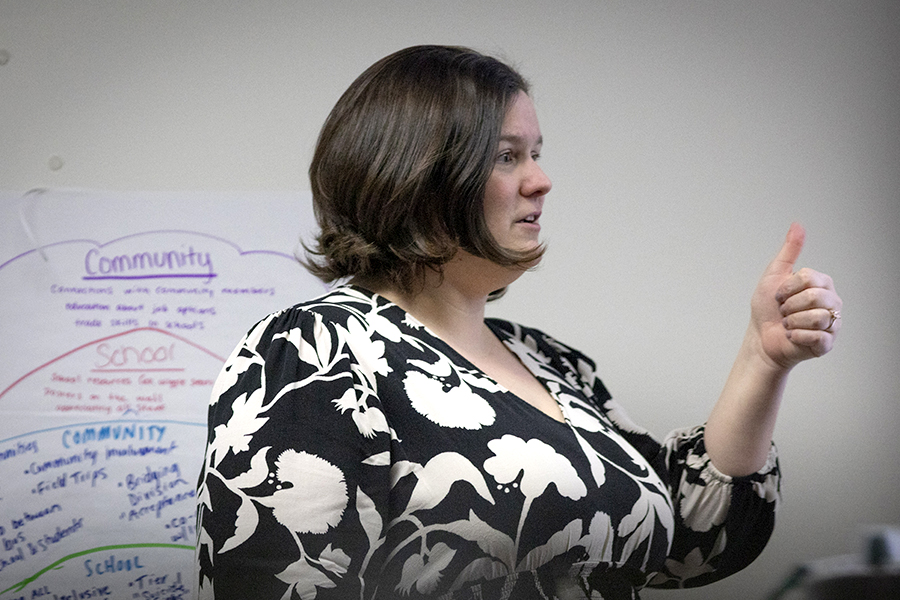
(387, 441)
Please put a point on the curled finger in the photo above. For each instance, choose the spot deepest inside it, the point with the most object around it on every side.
(814, 319)
(807, 299)
(803, 279)
(817, 341)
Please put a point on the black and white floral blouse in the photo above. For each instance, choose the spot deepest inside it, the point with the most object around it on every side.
(353, 454)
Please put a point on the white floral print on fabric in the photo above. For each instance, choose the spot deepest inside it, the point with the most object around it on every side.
(315, 498)
(537, 462)
(352, 454)
(447, 406)
(235, 435)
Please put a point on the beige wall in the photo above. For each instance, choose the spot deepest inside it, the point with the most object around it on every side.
(682, 138)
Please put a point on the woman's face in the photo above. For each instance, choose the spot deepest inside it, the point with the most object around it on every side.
(515, 190)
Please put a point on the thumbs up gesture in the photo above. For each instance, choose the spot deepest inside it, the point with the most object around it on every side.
(796, 314)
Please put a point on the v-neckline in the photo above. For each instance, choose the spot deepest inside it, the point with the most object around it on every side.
(511, 343)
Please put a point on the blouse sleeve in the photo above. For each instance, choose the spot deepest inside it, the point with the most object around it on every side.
(722, 523)
(296, 469)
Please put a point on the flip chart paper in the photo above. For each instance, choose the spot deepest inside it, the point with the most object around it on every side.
(118, 311)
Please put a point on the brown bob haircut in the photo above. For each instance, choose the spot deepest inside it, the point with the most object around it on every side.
(401, 164)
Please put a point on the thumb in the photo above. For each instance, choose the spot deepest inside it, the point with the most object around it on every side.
(790, 250)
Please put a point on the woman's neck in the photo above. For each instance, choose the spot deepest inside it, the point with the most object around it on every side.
(452, 303)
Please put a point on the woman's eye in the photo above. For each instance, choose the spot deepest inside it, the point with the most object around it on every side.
(505, 157)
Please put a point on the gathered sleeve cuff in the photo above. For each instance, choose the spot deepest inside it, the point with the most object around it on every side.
(722, 522)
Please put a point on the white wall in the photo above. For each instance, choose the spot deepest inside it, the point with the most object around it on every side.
(682, 138)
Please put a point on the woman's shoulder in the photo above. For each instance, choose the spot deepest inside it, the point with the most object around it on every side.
(333, 308)
(341, 300)
(337, 304)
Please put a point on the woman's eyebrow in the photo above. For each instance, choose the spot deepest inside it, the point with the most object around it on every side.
(520, 139)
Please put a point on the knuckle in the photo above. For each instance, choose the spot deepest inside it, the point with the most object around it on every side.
(820, 296)
(806, 275)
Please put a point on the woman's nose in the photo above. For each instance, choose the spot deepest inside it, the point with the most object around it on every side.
(536, 183)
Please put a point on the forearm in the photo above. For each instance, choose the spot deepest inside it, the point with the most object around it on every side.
(739, 429)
